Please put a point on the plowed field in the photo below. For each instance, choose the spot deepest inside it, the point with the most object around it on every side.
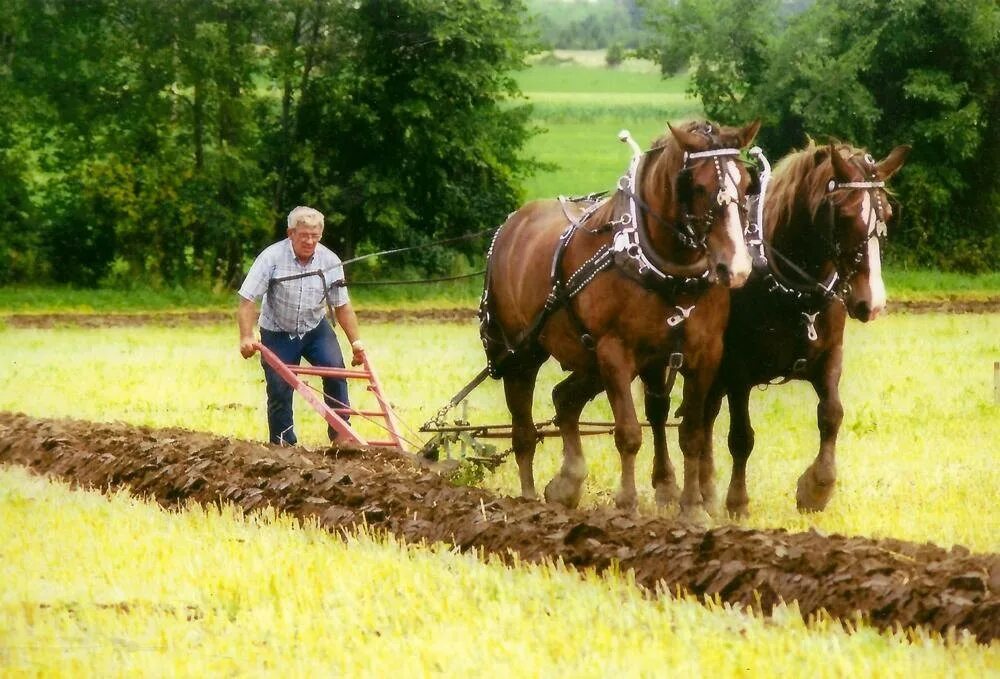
(106, 320)
(889, 583)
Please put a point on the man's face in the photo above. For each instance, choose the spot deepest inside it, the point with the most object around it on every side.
(304, 240)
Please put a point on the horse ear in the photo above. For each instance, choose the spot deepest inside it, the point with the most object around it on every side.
(841, 170)
(689, 141)
(892, 162)
(747, 134)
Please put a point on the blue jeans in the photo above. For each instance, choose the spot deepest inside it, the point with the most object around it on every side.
(319, 346)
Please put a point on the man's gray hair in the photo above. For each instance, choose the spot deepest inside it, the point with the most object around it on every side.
(305, 216)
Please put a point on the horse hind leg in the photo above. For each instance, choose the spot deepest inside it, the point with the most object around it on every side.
(569, 397)
(697, 495)
(706, 469)
(519, 389)
(741, 440)
(617, 370)
(657, 404)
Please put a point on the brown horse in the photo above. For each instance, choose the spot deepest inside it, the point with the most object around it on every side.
(825, 210)
(614, 290)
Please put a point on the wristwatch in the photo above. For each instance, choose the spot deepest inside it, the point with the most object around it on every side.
(357, 345)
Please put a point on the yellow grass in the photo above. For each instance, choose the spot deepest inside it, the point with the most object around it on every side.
(917, 461)
(97, 586)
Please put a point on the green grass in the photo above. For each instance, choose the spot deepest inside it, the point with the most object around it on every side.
(597, 82)
(581, 110)
(462, 293)
(905, 284)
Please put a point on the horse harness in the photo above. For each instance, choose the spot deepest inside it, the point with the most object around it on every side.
(809, 296)
(630, 252)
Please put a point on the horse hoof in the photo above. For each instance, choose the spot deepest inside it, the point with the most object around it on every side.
(627, 502)
(811, 494)
(695, 517)
(739, 512)
(667, 493)
(563, 492)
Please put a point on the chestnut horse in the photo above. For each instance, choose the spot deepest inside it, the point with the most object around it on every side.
(620, 288)
(819, 262)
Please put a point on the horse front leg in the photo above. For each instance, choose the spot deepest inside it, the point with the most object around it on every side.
(741, 440)
(657, 403)
(569, 397)
(816, 484)
(519, 389)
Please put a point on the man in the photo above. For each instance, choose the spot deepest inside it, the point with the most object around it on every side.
(292, 316)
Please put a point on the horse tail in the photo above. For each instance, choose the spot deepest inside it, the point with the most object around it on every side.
(494, 340)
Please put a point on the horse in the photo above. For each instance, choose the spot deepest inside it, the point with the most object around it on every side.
(618, 287)
(817, 261)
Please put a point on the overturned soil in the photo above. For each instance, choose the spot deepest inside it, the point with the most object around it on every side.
(888, 583)
(167, 318)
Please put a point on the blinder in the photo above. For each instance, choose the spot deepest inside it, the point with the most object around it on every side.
(878, 231)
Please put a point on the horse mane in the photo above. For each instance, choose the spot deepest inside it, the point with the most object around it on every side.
(671, 155)
(805, 172)
(669, 158)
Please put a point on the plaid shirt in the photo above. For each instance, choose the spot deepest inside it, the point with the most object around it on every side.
(296, 306)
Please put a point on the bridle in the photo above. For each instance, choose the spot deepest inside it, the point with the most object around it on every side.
(877, 227)
(690, 230)
(837, 284)
(694, 229)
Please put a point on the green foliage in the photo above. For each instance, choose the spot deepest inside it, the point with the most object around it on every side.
(615, 55)
(877, 75)
(167, 141)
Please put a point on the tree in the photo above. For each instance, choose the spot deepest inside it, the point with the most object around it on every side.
(406, 128)
(615, 55)
(725, 43)
(876, 75)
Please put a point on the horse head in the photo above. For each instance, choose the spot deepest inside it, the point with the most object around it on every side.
(860, 212)
(706, 186)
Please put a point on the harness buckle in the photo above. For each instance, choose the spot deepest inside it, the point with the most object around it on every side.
(811, 325)
(799, 367)
(678, 318)
(676, 360)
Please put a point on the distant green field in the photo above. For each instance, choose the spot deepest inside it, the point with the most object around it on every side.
(581, 109)
(575, 79)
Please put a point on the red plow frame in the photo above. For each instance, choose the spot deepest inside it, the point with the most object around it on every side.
(334, 416)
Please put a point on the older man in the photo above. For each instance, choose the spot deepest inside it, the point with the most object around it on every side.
(292, 316)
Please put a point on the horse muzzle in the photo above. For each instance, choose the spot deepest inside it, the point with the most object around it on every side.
(724, 275)
(863, 310)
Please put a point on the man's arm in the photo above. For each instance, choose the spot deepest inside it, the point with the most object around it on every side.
(348, 320)
(246, 319)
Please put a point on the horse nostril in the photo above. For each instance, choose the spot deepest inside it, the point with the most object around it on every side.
(722, 272)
